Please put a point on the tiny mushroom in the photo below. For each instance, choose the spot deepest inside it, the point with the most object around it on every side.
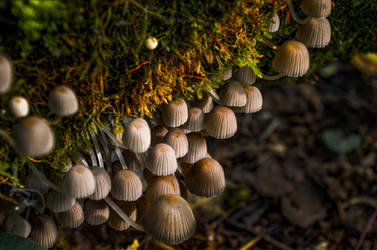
(71, 218)
(103, 183)
(221, 123)
(126, 186)
(15, 224)
(137, 136)
(175, 113)
(274, 24)
(96, 212)
(62, 101)
(161, 185)
(245, 75)
(316, 8)
(177, 139)
(44, 231)
(19, 107)
(233, 94)
(6, 74)
(161, 160)
(79, 182)
(151, 43)
(254, 100)
(316, 33)
(197, 148)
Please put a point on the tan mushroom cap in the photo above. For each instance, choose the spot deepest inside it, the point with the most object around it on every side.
(233, 94)
(126, 186)
(32, 181)
(44, 231)
(197, 148)
(15, 224)
(274, 24)
(59, 202)
(71, 218)
(177, 139)
(6, 74)
(96, 212)
(34, 137)
(292, 59)
(161, 160)
(116, 222)
(245, 75)
(221, 123)
(137, 136)
(158, 134)
(175, 113)
(254, 100)
(316, 33)
(170, 220)
(19, 106)
(206, 103)
(103, 183)
(161, 185)
(79, 182)
(316, 8)
(62, 101)
(195, 122)
(206, 178)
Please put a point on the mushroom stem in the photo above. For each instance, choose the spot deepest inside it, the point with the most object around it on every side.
(24, 190)
(79, 158)
(7, 138)
(272, 78)
(93, 157)
(42, 177)
(124, 216)
(112, 137)
(106, 148)
(121, 158)
(294, 15)
(270, 44)
(96, 147)
(214, 95)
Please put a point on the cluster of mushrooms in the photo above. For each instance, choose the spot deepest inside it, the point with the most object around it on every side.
(141, 178)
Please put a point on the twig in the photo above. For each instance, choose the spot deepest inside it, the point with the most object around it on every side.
(366, 230)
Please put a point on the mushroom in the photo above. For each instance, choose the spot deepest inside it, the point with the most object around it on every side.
(132, 161)
(245, 75)
(316, 8)
(15, 224)
(137, 136)
(274, 24)
(233, 94)
(59, 202)
(19, 107)
(161, 160)
(254, 100)
(206, 178)
(71, 218)
(44, 231)
(79, 182)
(34, 137)
(316, 33)
(221, 123)
(103, 183)
(158, 134)
(116, 222)
(195, 121)
(226, 75)
(6, 74)
(177, 139)
(96, 212)
(34, 182)
(197, 148)
(126, 186)
(175, 113)
(161, 185)
(151, 43)
(62, 101)
(170, 220)
(206, 103)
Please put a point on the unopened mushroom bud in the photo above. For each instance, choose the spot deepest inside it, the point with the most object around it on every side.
(233, 94)
(195, 120)
(151, 43)
(137, 136)
(206, 103)
(79, 182)
(158, 134)
(116, 222)
(177, 139)
(245, 75)
(161, 160)
(316, 8)
(6, 74)
(59, 202)
(15, 224)
(170, 220)
(126, 186)
(197, 148)
(96, 212)
(221, 123)
(275, 23)
(292, 59)
(19, 107)
(161, 185)
(103, 183)
(316, 33)
(206, 178)
(34, 137)
(71, 218)
(62, 101)
(254, 100)
(44, 231)
(227, 75)
(175, 113)
(34, 182)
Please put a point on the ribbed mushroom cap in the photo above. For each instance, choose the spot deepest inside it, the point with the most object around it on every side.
(137, 136)
(59, 202)
(206, 103)
(116, 222)
(197, 148)
(34, 137)
(62, 101)
(245, 75)
(132, 161)
(44, 231)
(226, 75)
(32, 181)
(170, 220)
(175, 113)
(177, 139)
(161, 185)
(316, 33)
(292, 59)
(15, 224)
(103, 183)
(96, 212)
(161, 160)
(126, 186)
(6, 74)
(254, 100)
(195, 120)
(206, 178)
(221, 123)
(274, 24)
(158, 134)
(79, 182)
(71, 218)
(316, 8)
(19, 107)
(233, 94)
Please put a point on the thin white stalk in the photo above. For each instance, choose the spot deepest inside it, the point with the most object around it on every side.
(96, 147)
(42, 177)
(103, 140)
(24, 190)
(91, 151)
(112, 137)
(80, 159)
(294, 15)
(121, 158)
(272, 78)
(214, 95)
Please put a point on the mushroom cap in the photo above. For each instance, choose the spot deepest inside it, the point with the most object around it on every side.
(254, 101)
(62, 101)
(221, 123)
(132, 161)
(32, 181)
(226, 75)
(19, 107)
(170, 220)
(195, 120)
(34, 137)
(316, 33)
(175, 113)
(137, 136)
(96, 212)
(233, 94)
(245, 75)
(116, 222)
(6, 74)
(103, 183)
(161, 185)
(44, 231)
(158, 134)
(177, 139)
(59, 202)
(206, 178)
(15, 224)
(79, 182)
(151, 43)
(72, 218)
(126, 186)
(274, 24)
(197, 148)
(316, 8)
(206, 103)
(161, 160)
(292, 59)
